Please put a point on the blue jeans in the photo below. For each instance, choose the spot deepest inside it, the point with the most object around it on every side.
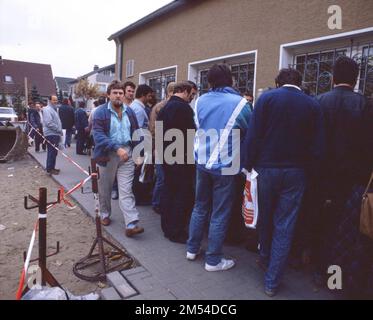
(52, 152)
(214, 195)
(158, 187)
(280, 193)
(69, 133)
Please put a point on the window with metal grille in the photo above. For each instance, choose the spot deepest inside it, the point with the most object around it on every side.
(366, 71)
(316, 68)
(204, 85)
(159, 84)
(243, 78)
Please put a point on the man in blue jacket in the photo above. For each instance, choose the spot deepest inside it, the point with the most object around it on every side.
(284, 139)
(113, 126)
(224, 114)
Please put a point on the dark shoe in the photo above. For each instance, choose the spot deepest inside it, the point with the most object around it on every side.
(114, 195)
(157, 210)
(252, 246)
(106, 221)
(82, 153)
(270, 292)
(179, 239)
(53, 171)
(133, 231)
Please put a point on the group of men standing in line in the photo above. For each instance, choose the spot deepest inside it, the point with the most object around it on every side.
(51, 120)
(299, 146)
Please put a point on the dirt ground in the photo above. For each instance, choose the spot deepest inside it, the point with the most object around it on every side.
(72, 227)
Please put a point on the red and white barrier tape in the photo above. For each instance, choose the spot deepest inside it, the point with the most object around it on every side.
(63, 199)
(65, 155)
(31, 245)
(27, 262)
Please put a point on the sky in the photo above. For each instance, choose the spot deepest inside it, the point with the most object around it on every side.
(70, 35)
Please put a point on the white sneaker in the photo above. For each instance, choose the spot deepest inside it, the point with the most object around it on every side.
(191, 256)
(224, 264)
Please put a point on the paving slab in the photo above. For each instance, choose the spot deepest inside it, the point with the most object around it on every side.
(121, 285)
(110, 294)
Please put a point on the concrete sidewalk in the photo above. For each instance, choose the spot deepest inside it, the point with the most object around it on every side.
(165, 274)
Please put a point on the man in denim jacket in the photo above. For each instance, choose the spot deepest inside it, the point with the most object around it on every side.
(113, 127)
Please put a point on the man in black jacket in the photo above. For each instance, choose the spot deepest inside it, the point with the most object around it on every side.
(177, 198)
(81, 124)
(348, 123)
(36, 122)
(66, 113)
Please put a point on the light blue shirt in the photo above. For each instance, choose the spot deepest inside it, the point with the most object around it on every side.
(142, 118)
(120, 130)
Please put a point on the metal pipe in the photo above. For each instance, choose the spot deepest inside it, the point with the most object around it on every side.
(43, 233)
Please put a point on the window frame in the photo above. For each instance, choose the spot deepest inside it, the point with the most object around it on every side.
(8, 81)
(195, 68)
(161, 74)
(353, 42)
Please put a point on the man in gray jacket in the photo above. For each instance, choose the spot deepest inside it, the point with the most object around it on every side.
(52, 129)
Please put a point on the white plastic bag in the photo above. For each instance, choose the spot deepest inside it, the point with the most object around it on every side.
(45, 293)
(56, 293)
(61, 144)
(147, 170)
(250, 208)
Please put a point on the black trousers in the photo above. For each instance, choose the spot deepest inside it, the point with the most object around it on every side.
(177, 199)
(81, 140)
(39, 141)
(141, 191)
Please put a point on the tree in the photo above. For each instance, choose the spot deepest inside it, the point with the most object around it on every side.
(3, 100)
(35, 96)
(86, 90)
(19, 101)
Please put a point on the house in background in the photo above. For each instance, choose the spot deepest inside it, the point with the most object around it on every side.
(63, 86)
(256, 38)
(100, 76)
(12, 80)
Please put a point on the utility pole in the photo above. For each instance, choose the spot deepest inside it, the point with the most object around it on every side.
(26, 93)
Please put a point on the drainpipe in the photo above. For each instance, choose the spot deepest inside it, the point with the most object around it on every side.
(119, 58)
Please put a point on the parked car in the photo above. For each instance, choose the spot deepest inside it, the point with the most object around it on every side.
(8, 114)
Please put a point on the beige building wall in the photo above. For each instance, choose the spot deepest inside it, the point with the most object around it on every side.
(212, 28)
